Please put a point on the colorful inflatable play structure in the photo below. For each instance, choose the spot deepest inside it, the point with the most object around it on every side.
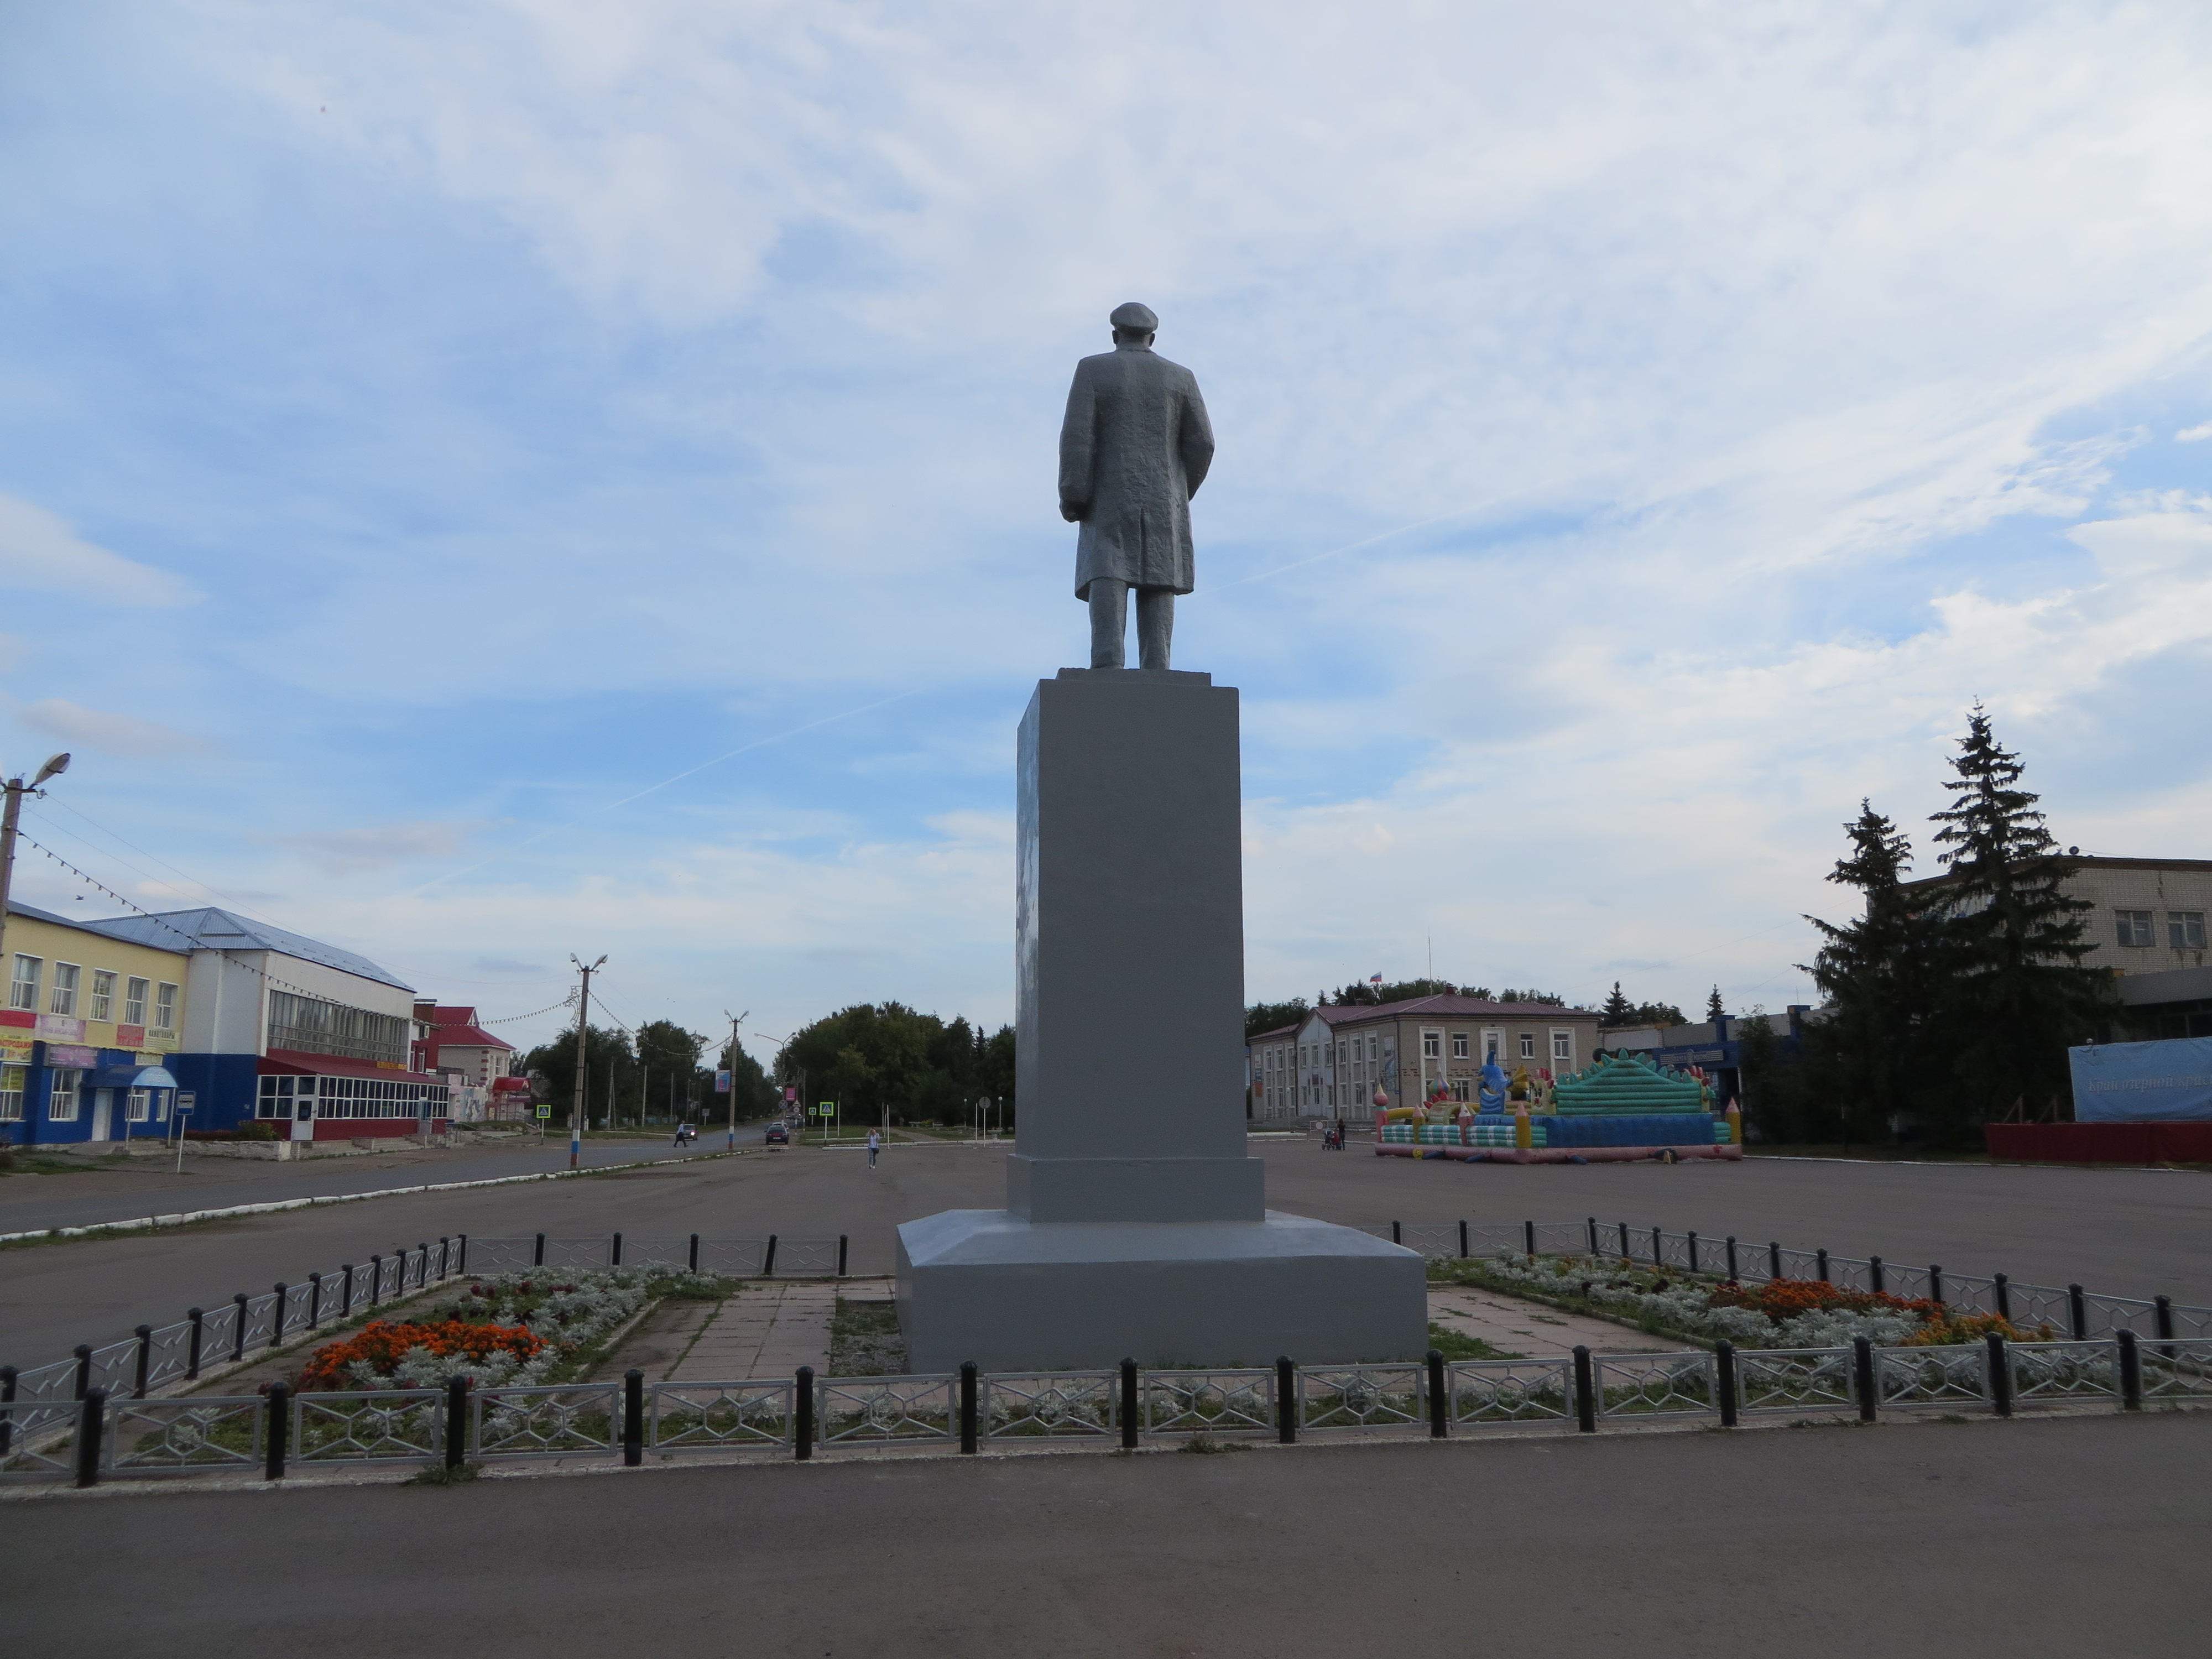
(1621, 1108)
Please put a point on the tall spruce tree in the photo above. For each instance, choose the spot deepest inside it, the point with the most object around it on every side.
(1715, 1008)
(2015, 992)
(1616, 1010)
(1876, 974)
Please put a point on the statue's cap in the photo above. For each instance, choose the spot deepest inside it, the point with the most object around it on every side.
(1133, 315)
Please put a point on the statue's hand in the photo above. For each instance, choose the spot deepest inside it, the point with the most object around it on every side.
(1073, 511)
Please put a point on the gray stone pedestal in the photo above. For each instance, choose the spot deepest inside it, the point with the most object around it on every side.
(1135, 1224)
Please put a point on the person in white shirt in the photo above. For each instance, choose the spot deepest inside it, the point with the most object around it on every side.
(875, 1141)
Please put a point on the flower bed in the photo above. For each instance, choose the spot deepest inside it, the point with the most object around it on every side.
(501, 1330)
(1783, 1314)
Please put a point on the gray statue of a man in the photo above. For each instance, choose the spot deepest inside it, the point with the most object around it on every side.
(1132, 452)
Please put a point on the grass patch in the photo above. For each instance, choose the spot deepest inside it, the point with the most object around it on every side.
(438, 1474)
(1205, 1445)
(13, 1163)
(1457, 1345)
(864, 1339)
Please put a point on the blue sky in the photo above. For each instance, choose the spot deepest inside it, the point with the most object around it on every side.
(427, 429)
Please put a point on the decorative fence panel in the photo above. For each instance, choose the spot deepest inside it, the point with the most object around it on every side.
(1653, 1385)
(879, 1410)
(1362, 1397)
(191, 1435)
(2064, 1372)
(372, 1426)
(1798, 1380)
(546, 1422)
(1050, 1405)
(1226, 1401)
(722, 1416)
(1509, 1391)
(1948, 1376)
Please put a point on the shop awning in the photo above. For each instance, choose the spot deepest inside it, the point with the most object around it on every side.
(297, 1062)
(130, 1077)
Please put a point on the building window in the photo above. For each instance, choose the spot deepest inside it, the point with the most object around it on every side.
(1492, 1046)
(138, 1106)
(1459, 1045)
(1528, 1045)
(64, 1000)
(1459, 1089)
(61, 1105)
(12, 1081)
(2134, 926)
(1370, 1046)
(103, 995)
(165, 1008)
(1432, 1045)
(2184, 929)
(1563, 1048)
(23, 988)
(134, 1002)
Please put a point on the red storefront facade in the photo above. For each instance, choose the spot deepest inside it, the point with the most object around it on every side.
(323, 1098)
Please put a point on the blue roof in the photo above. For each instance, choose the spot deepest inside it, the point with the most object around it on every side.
(221, 930)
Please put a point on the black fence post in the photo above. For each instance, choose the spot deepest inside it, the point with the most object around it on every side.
(91, 1419)
(145, 1334)
(1724, 1380)
(461, 1255)
(968, 1417)
(1585, 1392)
(767, 1262)
(1875, 1280)
(1593, 1235)
(277, 1316)
(1820, 1264)
(346, 1309)
(1439, 1397)
(1529, 1238)
(2003, 1287)
(7, 1415)
(445, 1254)
(2077, 1313)
(2000, 1376)
(457, 1421)
(2162, 1313)
(1935, 1284)
(192, 1352)
(613, 1252)
(277, 1441)
(83, 1351)
(237, 1330)
(2131, 1371)
(1397, 1234)
(1286, 1400)
(1463, 1240)
(538, 1259)
(375, 1279)
(1863, 1376)
(694, 1253)
(1129, 1406)
(1625, 1255)
(1658, 1248)
(1731, 1258)
(1692, 1239)
(1774, 1261)
(633, 1418)
(802, 1413)
(422, 1270)
(315, 1300)
(841, 1244)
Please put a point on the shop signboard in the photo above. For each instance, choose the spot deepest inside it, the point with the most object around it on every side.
(74, 1058)
(16, 1046)
(60, 1028)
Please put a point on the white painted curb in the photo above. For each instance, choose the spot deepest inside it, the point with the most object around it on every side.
(186, 1216)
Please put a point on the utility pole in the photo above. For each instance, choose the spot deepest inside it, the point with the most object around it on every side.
(736, 1020)
(16, 790)
(583, 1025)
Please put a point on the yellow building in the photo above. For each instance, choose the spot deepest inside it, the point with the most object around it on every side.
(89, 1023)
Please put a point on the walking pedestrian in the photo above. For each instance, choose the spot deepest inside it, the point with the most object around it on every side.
(875, 1142)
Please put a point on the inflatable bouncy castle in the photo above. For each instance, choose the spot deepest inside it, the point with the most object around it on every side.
(1622, 1107)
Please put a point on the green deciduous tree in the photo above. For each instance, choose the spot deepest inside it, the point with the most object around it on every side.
(879, 1059)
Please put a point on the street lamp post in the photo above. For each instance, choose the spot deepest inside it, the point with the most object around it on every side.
(736, 1020)
(583, 1026)
(17, 789)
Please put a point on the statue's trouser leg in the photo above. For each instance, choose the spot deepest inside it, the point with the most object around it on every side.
(1109, 618)
(1155, 625)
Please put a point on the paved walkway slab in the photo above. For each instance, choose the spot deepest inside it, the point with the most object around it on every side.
(1531, 1329)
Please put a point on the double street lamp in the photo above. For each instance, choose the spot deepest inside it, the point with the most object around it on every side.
(17, 789)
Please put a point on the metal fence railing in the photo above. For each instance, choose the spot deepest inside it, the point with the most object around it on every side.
(208, 1342)
(276, 1433)
(2076, 1314)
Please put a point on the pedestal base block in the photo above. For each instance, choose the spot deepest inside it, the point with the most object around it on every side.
(1015, 1295)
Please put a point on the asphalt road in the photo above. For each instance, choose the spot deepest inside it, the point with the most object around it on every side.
(132, 1189)
(2021, 1540)
(2121, 1231)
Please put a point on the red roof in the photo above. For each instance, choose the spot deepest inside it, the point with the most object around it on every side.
(297, 1062)
(459, 1027)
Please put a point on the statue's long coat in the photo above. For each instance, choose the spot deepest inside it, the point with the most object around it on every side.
(1132, 452)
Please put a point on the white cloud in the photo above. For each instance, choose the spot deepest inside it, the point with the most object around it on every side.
(349, 852)
(106, 731)
(38, 551)
(2194, 435)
